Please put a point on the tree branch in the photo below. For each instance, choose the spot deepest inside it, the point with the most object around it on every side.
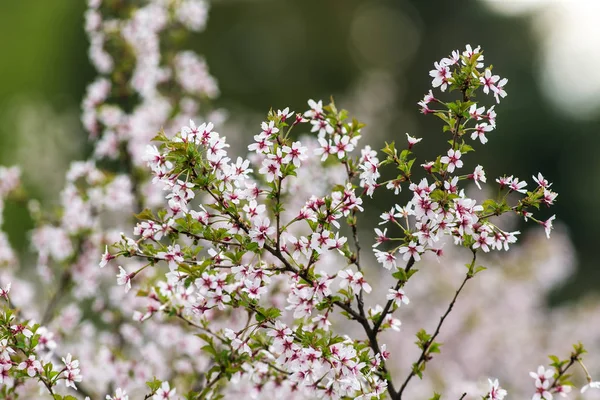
(425, 355)
(389, 304)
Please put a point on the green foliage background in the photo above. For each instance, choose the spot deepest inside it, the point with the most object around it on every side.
(275, 53)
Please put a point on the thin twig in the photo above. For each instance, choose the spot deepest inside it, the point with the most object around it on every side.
(278, 215)
(456, 131)
(574, 358)
(200, 327)
(389, 304)
(424, 357)
(361, 318)
(356, 258)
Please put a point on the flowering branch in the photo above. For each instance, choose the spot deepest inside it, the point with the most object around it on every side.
(248, 254)
(240, 265)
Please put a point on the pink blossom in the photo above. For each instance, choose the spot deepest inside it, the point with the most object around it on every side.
(164, 392)
(495, 391)
(548, 225)
(441, 75)
(123, 278)
(32, 366)
(398, 296)
(411, 250)
(478, 175)
(452, 160)
(489, 81)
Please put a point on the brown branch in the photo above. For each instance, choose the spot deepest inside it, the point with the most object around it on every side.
(356, 315)
(356, 258)
(425, 355)
(195, 325)
(456, 131)
(389, 304)
(278, 215)
(574, 358)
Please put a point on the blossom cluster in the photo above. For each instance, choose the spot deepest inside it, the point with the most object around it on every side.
(510, 296)
(141, 83)
(27, 352)
(438, 206)
(230, 276)
(251, 247)
(121, 131)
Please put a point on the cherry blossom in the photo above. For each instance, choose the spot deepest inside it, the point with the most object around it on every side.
(476, 112)
(354, 280)
(593, 385)
(489, 81)
(262, 230)
(412, 141)
(495, 392)
(452, 160)
(548, 226)
(295, 154)
(397, 296)
(411, 250)
(542, 383)
(480, 131)
(32, 366)
(386, 259)
(380, 237)
(563, 390)
(440, 75)
(164, 392)
(517, 186)
(499, 89)
(123, 278)
(428, 98)
(342, 146)
(4, 291)
(541, 181)
(316, 109)
(120, 394)
(470, 52)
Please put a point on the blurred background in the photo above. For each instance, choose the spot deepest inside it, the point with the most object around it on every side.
(372, 56)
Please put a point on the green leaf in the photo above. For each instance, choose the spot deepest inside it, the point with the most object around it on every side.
(555, 360)
(390, 149)
(404, 154)
(465, 148)
(154, 384)
(400, 275)
(478, 270)
(272, 313)
(267, 314)
(253, 247)
(434, 347)
(422, 338)
(160, 137)
(146, 214)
